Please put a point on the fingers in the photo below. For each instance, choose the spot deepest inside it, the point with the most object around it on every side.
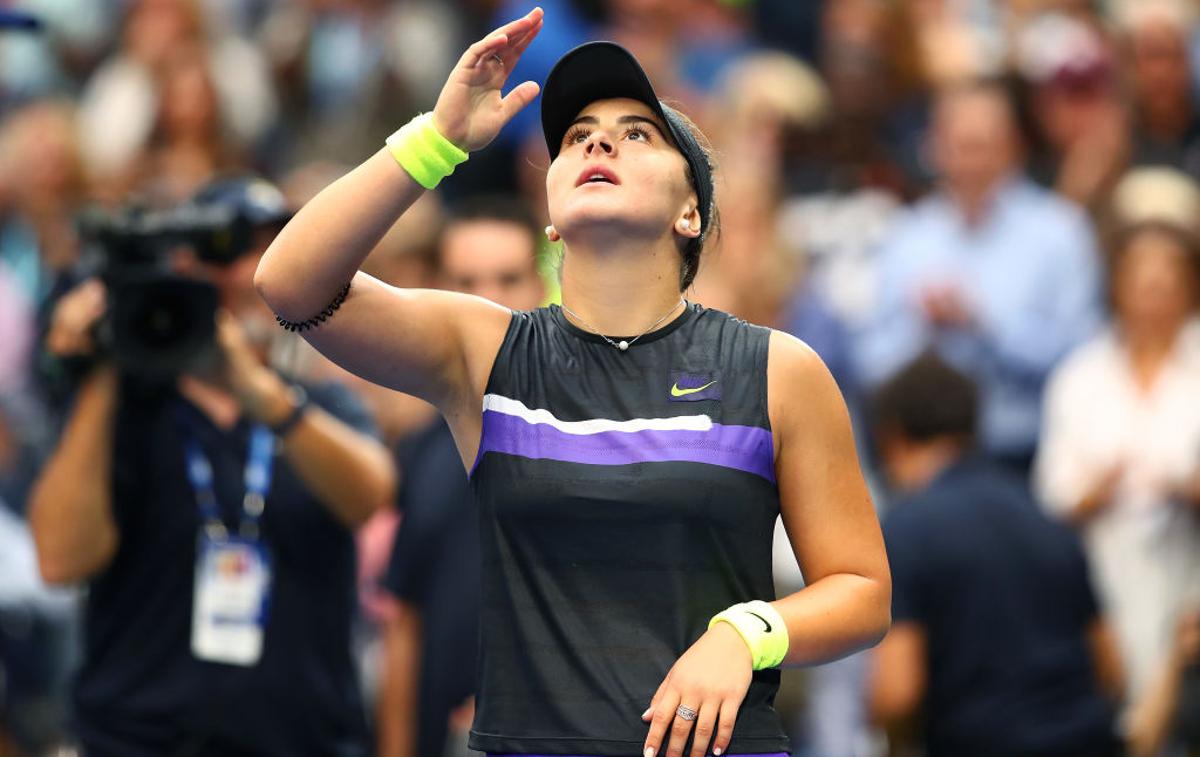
(713, 723)
(522, 24)
(522, 95)
(229, 341)
(71, 328)
(706, 722)
(94, 294)
(512, 33)
(517, 45)
(664, 716)
(227, 327)
(726, 718)
(231, 338)
(655, 699)
(680, 728)
(483, 50)
(86, 305)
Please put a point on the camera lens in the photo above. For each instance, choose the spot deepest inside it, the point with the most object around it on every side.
(162, 324)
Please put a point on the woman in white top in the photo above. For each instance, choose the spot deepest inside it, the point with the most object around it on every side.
(1120, 449)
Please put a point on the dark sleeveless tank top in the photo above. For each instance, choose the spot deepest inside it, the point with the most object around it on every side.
(624, 499)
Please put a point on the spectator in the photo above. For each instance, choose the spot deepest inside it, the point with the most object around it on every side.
(1084, 11)
(120, 105)
(346, 70)
(1157, 193)
(1156, 35)
(189, 144)
(24, 444)
(16, 334)
(997, 274)
(791, 26)
(763, 102)
(222, 644)
(40, 164)
(1081, 124)
(488, 248)
(755, 270)
(878, 91)
(41, 64)
(41, 170)
(848, 159)
(37, 646)
(997, 639)
(1169, 716)
(956, 41)
(1119, 447)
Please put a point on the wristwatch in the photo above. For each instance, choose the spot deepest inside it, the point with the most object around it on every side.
(299, 407)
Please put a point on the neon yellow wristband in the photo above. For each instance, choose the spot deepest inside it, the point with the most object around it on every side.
(422, 151)
(762, 628)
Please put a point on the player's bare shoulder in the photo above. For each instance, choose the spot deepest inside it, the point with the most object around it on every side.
(800, 389)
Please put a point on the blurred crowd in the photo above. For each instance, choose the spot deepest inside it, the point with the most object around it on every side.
(997, 195)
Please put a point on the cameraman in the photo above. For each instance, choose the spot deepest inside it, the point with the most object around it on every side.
(213, 517)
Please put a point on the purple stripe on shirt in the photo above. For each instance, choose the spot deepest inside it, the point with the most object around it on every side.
(744, 448)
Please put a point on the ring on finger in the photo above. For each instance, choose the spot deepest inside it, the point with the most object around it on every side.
(686, 713)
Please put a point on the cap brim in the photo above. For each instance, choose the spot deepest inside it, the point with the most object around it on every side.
(593, 71)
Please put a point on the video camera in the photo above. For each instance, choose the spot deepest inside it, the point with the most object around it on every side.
(161, 323)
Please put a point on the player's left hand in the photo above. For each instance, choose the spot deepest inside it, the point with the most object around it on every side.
(711, 678)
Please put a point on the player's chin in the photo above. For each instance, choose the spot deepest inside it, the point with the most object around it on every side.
(610, 209)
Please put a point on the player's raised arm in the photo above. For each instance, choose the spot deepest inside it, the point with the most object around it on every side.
(419, 341)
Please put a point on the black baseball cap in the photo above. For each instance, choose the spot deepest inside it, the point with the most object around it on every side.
(605, 70)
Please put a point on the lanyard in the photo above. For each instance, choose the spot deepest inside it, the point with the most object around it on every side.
(257, 476)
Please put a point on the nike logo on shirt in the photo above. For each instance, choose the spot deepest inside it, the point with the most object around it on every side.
(677, 392)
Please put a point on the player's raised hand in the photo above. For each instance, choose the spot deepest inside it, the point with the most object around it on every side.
(470, 111)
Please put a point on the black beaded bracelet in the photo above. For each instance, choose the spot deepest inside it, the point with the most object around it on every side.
(319, 318)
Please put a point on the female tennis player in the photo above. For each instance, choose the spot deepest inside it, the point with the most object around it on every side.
(630, 451)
